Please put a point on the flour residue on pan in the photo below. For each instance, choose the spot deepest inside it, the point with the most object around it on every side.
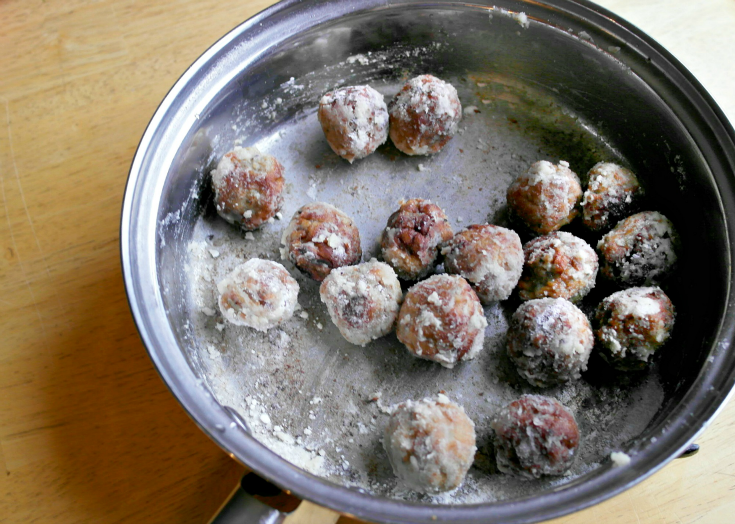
(321, 402)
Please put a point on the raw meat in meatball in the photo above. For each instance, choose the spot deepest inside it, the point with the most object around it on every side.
(363, 300)
(411, 239)
(430, 444)
(632, 324)
(613, 192)
(259, 294)
(640, 250)
(354, 120)
(320, 238)
(247, 187)
(535, 436)
(489, 257)
(441, 319)
(546, 197)
(549, 341)
(558, 265)
(424, 115)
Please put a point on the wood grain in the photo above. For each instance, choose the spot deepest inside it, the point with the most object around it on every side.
(88, 432)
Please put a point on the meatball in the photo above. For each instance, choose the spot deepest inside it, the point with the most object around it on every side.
(549, 341)
(489, 257)
(613, 192)
(259, 294)
(546, 197)
(410, 241)
(430, 444)
(424, 115)
(640, 250)
(535, 436)
(247, 187)
(320, 238)
(363, 300)
(354, 120)
(558, 265)
(632, 324)
(441, 319)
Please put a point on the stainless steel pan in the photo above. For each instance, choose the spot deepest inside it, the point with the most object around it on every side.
(574, 84)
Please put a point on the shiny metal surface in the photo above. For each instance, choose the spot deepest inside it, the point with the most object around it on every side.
(627, 92)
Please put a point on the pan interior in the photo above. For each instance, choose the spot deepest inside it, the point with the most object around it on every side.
(530, 93)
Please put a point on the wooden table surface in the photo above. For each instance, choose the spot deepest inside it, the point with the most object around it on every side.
(88, 432)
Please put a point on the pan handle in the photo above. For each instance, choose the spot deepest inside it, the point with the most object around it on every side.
(256, 500)
(692, 449)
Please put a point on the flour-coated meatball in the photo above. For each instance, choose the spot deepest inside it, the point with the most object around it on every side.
(558, 265)
(546, 197)
(410, 241)
(549, 341)
(424, 115)
(259, 294)
(613, 192)
(631, 325)
(430, 444)
(489, 257)
(247, 187)
(535, 436)
(362, 300)
(354, 120)
(640, 250)
(441, 319)
(320, 238)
